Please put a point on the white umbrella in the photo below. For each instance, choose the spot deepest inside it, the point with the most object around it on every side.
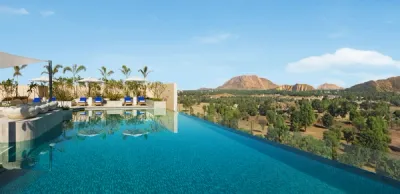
(90, 80)
(135, 79)
(41, 79)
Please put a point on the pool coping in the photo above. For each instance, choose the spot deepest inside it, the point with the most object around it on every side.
(334, 163)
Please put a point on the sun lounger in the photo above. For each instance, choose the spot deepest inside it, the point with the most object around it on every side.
(82, 101)
(128, 101)
(98, 101)
(37, 100)
(53, 99)
(141, 100)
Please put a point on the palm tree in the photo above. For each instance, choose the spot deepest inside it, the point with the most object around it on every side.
(126, 71)
(105, 73)
(145, 72)
(17, 73)
(55, 69)
(75, 69)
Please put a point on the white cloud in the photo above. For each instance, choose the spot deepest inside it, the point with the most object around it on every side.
(14, 11)
(47, 13)
(212, 39)
(344, 57)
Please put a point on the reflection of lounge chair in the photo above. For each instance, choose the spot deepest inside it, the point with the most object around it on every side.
(82, 101)
(89, 132)
(98, 101)
(128, 101)
(37, 100)
(134, 133)
(141, 100)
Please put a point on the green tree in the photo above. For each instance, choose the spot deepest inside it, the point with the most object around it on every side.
(280, 122)
(349, 134)
(327, 120)
(145, 72)
(307, 115)
(354, 114)
(204, 111)
(105, 74)
(17, 73)
(271, 116)
(56, 69)
(74, 69)
(332, 140)
(295, 120)
(334, 109)
(359, 123)
(317, 105)
(376, 135)
(276, 134)
(126, 71)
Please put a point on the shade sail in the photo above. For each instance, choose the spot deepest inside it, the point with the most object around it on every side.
(9, 60)
(134, 79)
(91, 80)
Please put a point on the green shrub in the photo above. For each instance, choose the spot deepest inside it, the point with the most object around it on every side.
(114, 96)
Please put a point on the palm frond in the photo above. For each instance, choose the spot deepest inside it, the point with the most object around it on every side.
(67, 69)
(80, 68)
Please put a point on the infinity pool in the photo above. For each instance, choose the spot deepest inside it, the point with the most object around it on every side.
(164, 152)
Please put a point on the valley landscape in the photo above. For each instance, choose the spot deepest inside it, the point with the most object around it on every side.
(330, 120)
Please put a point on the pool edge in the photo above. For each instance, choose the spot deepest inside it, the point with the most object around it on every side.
(352, 169)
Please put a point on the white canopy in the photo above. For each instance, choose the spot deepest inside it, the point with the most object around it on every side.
(9, 60)
(135, 79)
(41, 79)
(90, 80)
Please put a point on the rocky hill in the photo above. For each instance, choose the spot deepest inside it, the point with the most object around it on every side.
(248, 82)
(391, 84)
(327, 86)
(296, 87)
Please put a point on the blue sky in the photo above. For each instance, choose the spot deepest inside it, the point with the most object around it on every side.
(204, 43)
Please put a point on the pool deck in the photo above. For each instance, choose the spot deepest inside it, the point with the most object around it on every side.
(112, 107)
(27, 129)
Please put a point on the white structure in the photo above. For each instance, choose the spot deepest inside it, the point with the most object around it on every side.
(135, 79)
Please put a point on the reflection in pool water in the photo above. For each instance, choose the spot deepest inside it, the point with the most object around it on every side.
(123, 151)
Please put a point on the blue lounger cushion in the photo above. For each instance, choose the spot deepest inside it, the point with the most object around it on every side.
(141, 99)
(128, 99)
(37, 100)
(98, 99)
(82, 99)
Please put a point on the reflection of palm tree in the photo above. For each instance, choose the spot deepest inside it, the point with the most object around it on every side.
(113, 121)
(67, 126)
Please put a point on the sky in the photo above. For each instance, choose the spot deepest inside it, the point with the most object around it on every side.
(203, 43)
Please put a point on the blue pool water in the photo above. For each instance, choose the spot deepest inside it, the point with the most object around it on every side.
(140, 153)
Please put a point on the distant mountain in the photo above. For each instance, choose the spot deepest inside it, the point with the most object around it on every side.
(248, 82)
(205, 89)
(327, 86)
(296, 87)
(391, 84)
